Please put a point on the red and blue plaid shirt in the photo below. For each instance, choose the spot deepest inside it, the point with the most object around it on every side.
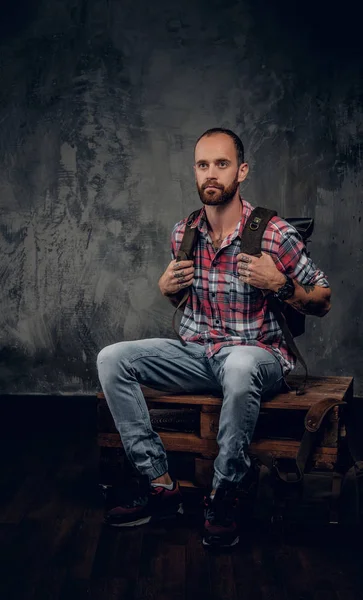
(222, 310)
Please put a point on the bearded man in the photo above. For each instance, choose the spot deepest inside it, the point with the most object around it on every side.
(233, 347)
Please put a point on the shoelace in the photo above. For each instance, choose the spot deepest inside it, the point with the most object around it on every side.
(219, 512)
(131, 499)
(135, 501)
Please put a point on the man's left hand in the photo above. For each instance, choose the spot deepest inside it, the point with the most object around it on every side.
(261, 272)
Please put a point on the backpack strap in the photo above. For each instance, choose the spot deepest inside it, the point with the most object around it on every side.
(275, 306)
(190, 237)
(186, 252)
(251, 244)
(254, 229)
(313, 421)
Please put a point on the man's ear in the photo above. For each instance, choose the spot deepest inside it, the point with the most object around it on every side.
(242, 172)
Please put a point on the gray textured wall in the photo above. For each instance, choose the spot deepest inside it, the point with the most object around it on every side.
(101, 102)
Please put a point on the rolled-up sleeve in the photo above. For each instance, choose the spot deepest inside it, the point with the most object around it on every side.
(292, 259)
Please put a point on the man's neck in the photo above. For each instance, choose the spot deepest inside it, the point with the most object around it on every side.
(222, 220)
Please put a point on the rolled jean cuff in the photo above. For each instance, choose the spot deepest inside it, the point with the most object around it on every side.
(157, 470)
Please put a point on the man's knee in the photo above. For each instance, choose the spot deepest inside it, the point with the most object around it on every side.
(121, 354)
(112, 354)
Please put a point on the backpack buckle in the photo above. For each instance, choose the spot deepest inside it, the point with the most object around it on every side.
(254, 225)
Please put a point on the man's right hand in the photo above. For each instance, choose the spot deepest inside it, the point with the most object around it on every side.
(178, 275)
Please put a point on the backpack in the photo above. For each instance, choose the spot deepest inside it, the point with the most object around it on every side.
(291, 322)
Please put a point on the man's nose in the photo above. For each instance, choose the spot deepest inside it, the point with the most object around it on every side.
(212, 172)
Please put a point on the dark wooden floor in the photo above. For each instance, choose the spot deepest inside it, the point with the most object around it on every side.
(54, 546)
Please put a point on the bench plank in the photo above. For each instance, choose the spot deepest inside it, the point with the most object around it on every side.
(189, 442)
(318, 388)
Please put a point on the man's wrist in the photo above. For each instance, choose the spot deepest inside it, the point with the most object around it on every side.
(286, 291)
(278, 282)
(175, 295)
(175, 298)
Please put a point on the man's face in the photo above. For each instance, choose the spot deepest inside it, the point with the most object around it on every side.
(216, 169)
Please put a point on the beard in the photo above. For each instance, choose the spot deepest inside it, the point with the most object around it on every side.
(218, 197)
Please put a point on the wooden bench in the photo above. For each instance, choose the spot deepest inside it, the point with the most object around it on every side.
(278, 433)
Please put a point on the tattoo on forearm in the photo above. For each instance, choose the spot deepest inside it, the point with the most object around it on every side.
(298, 305)
(306, 287)
(309, 308)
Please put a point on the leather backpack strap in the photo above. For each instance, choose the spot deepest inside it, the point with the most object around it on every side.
(313, 421)
(254, 229)
(280, 318)
(186, 252)
(316, 413)
(251, 244)
(190, 237)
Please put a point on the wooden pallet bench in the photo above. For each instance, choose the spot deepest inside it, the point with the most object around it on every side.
(278, 433)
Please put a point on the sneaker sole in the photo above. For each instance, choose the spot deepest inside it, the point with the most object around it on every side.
(216, 545)
(146, 520)
(131, 523)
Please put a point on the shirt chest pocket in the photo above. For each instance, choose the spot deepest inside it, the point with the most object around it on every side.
(244, 298)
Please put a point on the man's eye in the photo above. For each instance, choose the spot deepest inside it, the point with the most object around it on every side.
(202, 165)
(223, 164)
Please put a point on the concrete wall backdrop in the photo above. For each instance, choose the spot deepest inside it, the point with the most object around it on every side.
(101, 102)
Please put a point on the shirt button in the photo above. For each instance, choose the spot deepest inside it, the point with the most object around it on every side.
(213, 295)
(217, 321)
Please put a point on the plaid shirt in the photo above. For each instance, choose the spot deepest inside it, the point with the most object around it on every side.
(222, 310)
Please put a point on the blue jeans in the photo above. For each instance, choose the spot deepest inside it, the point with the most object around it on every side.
(240, 374)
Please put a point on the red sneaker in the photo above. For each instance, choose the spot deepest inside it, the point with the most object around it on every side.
(221, 527)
